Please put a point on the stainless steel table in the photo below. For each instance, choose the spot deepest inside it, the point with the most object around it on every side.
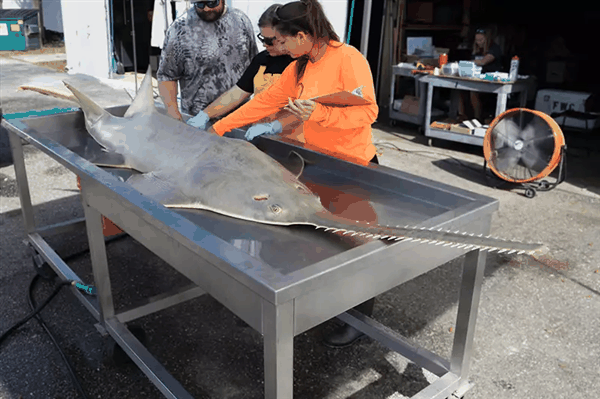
(282, 281)
(501, 89)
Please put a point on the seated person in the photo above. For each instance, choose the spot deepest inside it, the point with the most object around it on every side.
(488, 55)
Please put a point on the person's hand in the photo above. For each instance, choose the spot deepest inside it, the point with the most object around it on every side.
(263, 128)
(199, 121)
(303, 109)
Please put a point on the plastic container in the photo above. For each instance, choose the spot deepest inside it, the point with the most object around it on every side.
(443, 59)
(514, 69)
(468, 69)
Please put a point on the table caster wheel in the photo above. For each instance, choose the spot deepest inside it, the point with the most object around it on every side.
(41, 267)
(392, 123)
(430, 142)
(530, 193)
(118, 355)
(544, 185)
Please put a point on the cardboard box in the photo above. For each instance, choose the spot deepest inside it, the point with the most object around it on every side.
(456, 128)
(410, 105)
(420, 11)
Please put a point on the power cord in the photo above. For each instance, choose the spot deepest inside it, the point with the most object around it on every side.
(87, 289)
(461, 163)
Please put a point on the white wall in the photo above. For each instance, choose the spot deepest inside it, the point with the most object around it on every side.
(87, 34)
(52, 11)
(334, 9)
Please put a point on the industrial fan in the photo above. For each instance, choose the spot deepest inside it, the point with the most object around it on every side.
(522, 147)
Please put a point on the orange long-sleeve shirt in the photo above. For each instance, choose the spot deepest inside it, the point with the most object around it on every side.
(343, 132)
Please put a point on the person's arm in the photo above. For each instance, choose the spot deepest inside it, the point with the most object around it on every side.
(168, 92)
(170, 70)
(233, 97)
(226, 102)
(355, 73)
(262, 105)
(489, 58)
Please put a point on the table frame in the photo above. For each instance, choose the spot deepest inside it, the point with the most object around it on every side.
(216, 267)
(501, 89)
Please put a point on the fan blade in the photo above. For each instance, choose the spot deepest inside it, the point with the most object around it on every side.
(511, 131)
(533, 158)
(528, 133)
(507, 159)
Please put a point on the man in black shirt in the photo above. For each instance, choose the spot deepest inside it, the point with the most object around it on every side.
(264, 70)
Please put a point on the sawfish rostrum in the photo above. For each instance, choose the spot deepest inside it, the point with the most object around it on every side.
(183, 167)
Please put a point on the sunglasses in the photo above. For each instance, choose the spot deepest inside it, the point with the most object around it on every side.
(209, 4)
(480, 31)
(269, 41)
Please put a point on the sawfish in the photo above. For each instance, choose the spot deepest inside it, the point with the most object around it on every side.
(181, 166)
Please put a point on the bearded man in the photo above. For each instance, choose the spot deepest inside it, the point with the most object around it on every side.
(206, 51)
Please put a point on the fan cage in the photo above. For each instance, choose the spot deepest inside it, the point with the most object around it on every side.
(489, 151)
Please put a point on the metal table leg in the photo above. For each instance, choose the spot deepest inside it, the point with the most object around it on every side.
(468, 305)
(21, 175)
(428, 108)
(501, 103)
(278, 336)
(98, 256)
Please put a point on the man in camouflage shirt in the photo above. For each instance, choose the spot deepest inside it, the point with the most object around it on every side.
(206, 51)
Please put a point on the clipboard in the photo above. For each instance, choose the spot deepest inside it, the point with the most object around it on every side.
(341, 99)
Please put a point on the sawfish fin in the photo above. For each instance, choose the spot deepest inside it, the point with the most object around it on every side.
(144, 99)
(93, 112)
(161, 190)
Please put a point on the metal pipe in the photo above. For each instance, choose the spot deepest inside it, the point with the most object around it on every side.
(134, 46)
(384, 22)
(366, 24)
(166, 4)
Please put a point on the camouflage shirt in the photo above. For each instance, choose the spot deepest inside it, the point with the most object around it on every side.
(207, 58)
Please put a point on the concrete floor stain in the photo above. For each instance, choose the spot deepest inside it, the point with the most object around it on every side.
(8, 187)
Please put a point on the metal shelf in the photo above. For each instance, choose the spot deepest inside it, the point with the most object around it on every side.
(452, 136)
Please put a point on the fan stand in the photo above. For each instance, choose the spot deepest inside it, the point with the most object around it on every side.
(530, 188)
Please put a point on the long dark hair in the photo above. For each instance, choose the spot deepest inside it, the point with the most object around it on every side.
(304, 16)
(267, 19)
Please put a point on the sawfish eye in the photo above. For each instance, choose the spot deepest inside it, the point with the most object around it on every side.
(275, 208)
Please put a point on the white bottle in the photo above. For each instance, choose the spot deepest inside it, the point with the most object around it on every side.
(514, 69)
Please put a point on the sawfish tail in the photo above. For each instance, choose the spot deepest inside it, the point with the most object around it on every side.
(439, 237)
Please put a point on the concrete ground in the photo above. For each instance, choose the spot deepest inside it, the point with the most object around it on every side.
(537, 334)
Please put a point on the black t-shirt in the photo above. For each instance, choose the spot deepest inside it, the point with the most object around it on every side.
(273, 66)
(494, 66)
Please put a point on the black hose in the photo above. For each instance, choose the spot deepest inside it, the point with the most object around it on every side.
(36, 310)
(45, 327)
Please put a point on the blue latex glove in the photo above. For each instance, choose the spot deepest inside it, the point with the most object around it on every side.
(200, 121)
(263, 128)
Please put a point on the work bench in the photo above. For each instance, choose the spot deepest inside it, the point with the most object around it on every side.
(501, 89)
(282, 281)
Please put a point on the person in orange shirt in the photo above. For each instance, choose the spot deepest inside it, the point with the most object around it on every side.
(323, 66)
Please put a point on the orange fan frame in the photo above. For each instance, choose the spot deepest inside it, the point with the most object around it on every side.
(559, 142)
